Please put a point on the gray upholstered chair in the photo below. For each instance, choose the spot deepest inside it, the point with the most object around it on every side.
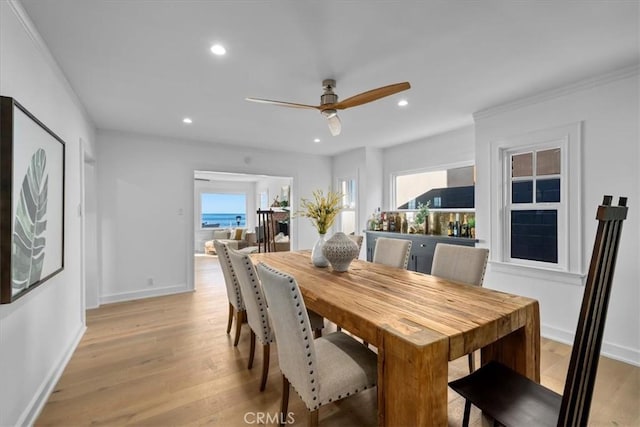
(256, 306)
(357, 239)
(393, 252)
(464, 264)
(323, 370)
(236, 304)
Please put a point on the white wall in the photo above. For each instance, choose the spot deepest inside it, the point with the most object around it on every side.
(608, 105)
(39, 331)
(92, 267)
(372, 190)
(147, 205)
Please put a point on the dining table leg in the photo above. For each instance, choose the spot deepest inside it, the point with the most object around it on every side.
(520, 349)
(412, 378)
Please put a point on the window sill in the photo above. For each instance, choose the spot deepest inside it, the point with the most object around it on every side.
(566, 277)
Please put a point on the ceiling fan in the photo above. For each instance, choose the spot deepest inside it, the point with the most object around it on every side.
(329, 104)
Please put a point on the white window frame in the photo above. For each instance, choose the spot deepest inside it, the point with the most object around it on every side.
(569, 268)
(561, 207)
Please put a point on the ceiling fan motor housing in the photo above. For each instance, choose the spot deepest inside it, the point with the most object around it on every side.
(328, 97)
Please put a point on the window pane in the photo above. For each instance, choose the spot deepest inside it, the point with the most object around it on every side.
(348, 189)
(548, 162)
(411, 189)
(534, 235)
(450, 188)
(522, 165)
(522, 192)
(348, 222)
(548, 190)
(223, 210)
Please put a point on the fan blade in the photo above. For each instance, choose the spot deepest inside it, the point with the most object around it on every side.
(282, 104)
(371, 95)
(334, 125)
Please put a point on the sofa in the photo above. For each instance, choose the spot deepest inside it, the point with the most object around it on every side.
(238, 238)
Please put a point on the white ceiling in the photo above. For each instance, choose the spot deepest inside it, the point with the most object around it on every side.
(142, 66)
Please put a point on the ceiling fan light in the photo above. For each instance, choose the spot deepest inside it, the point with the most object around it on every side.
(335, 126)
(330, 113)
(403, 103)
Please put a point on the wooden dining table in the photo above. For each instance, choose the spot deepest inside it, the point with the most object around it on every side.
(418, 323)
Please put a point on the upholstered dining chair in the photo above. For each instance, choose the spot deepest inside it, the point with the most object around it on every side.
(357, 239)
(512, 399)
(392, 252)
(323, 370)
(256, 306)
(257, 316)
(234, 295)
(464, 264)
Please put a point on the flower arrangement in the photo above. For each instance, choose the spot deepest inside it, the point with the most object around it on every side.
(322, 210)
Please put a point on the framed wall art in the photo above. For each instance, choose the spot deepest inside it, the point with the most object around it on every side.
(32, 167)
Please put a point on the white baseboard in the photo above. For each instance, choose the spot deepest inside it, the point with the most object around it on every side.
(610, 350)
(32, 411)
(146, 293)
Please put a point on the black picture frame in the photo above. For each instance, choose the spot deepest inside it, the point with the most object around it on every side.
(32, 181)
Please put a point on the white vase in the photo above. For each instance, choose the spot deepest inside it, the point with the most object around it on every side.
(317, 257)
(340, 250)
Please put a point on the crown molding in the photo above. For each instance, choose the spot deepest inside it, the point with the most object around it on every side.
(547, 95)
(42, 47)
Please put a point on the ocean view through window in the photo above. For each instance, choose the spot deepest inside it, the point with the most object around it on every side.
(223, 210)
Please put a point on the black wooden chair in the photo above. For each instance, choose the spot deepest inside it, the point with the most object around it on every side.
(512, 399)
(266, 231)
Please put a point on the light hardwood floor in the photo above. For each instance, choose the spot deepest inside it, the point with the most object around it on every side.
(167, 361)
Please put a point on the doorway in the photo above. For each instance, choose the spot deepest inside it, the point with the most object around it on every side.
(227, 202)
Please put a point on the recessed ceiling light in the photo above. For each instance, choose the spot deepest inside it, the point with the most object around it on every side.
(403, 103)
(187, 120)
(218, 49)
(316, 140)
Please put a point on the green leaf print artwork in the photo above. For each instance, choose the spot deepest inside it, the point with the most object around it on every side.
(28, 249)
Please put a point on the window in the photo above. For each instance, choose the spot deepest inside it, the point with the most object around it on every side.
(348, 213)
(535, 210)
(451, 188)
(222, 210)
(534, 204)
